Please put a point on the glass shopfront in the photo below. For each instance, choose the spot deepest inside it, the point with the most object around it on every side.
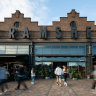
(44, 69)
(14, 49)
(60, 50)
(13, 55)
(47, 57)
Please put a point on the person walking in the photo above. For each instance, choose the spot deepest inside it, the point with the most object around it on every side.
(33, 76)
(3, 80)
(94, 79)
(58, 72)
(65, 71)
(21, 77)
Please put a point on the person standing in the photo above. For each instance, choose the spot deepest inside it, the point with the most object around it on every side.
(3, 79)
(58, 72)
(65, 71)
(32, 76)
(94, 78)
(21, 75)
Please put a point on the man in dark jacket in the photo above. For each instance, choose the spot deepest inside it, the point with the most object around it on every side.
(21, 75)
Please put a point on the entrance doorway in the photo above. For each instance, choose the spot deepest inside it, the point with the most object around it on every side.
(55, 64)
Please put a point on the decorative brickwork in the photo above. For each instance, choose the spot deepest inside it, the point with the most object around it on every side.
(34, 29)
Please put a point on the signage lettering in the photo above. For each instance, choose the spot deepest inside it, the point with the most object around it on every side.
(11, 32)
(74, 33)
(58, 29)
(43, 33)
(26, 33)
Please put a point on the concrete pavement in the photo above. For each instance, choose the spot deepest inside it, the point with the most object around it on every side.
(49, 88)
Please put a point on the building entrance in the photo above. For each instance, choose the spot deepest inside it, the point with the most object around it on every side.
(55, 64)
(75, 69)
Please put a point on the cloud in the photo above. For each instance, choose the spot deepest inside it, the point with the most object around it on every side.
(36, 9)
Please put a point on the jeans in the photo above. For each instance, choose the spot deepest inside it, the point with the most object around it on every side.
(33, 78)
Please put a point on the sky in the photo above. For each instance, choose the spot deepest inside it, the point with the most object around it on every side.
(46, 11)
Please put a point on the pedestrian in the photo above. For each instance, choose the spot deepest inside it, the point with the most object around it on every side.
(3, 80)
(58, 72)
(33, 76)
(21, 77)
(65, 74)
(94, 78)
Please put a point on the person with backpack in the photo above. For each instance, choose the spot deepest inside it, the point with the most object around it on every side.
(21, 75)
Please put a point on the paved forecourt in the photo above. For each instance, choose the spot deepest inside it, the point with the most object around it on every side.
(49, 88)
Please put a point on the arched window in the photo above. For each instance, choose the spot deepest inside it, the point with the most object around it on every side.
(73, 24)
(74, 33)
(17, 24)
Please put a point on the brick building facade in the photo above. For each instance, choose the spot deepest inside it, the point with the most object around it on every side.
(69, 42)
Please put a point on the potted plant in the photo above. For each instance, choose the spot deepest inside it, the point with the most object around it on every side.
(47, 74)
(42, 73)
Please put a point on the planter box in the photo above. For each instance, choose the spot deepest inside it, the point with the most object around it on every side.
(74, 78)
(47, 78)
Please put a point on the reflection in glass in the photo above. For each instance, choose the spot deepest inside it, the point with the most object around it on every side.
(67, 50)
(93, 50)
(77, 69)
(14, 49)
(59, 58)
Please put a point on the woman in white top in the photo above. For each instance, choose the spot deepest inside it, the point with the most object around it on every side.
(32, 76)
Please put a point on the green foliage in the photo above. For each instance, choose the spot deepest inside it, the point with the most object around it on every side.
(75, 74)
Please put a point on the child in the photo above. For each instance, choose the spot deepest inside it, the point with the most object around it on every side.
(32, 76)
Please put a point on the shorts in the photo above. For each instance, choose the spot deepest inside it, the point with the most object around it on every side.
(58, 76)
